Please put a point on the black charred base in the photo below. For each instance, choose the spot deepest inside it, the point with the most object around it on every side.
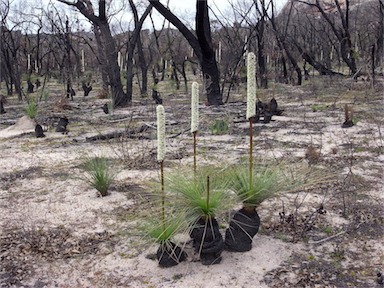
(39, 132)
(105, 108)
(62, 125)
(87, 88)
(30, 86)
(347, 124)
(242, 228)
(208, 241)
(267, 110)
(170, 255)
(2, 111)
(156, 97)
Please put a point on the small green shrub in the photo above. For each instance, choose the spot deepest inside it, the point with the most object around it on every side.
(319, 107)
(98, 174)
(31, 109)
(219, 127)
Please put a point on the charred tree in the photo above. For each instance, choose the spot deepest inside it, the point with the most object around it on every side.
(201, 44)
(342, 32)
(134, 40)
(109, 49)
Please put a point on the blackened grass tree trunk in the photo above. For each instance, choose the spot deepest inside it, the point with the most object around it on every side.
(85, 7)
(201, 44)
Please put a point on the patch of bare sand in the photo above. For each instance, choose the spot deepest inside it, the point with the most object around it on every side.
(24, 125)
(113, 270)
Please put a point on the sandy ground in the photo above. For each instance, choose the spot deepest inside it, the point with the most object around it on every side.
(56, 232)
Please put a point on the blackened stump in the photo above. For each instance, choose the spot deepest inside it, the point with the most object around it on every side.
(2, 111)
(105, 108)
(30, 86)
(62, 125)
(242, 228)
(87, 88)
(39, 132)
(275, 108)
(347, 124)
(267, 116)
(208, 241)
(170, 255)
(37, 83)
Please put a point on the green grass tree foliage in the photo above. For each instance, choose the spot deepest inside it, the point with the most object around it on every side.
(31, 109)
(190, 193)
(99, 174)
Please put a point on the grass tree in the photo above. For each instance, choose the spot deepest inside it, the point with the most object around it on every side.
(162, 229)
(31, 109)
(98, 174)
(203, 196)
(245, 223)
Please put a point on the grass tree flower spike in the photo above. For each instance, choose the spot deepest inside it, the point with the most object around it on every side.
(251, 86)
(160, 133)
(195, 108)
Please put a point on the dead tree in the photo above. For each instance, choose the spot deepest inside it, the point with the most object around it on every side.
(342, 32)
(201, 43)
(100, 22)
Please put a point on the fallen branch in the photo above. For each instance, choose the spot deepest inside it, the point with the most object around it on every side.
(118, 134)
(334, 236)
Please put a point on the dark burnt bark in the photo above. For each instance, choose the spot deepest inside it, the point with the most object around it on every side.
(261, 58)
(109, 49)
(10, 45)
(201, 45)
(170, 255)
(207, 241)
(208, 63)
(283, 45)
(342, 33)
(315, 64)
(101, 58)
(242, 228)
(135, 39)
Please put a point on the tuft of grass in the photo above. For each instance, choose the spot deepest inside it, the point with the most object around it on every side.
(319, 107)
(98, 174)
(31, 109)
(219, 127)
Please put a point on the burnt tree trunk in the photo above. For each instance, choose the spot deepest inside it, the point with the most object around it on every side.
(201, 44)
(109, 49)
(315, 64)
(102, 59)
(118, 97)
(131, 48)
(208, 61)
(261, 59)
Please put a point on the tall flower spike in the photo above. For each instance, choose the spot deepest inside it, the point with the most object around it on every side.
(251, 85)
(160, 133)
(195, 107)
